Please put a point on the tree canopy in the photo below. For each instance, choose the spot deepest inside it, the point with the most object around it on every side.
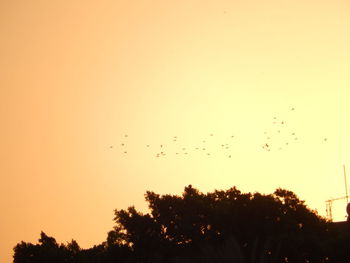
(219, 226)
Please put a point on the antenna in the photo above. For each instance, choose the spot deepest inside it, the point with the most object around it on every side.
(329, 202)
(346, 186)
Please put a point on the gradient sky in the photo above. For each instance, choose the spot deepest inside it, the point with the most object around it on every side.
(77, 76)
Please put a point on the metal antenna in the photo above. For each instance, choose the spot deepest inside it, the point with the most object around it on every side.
(346, 186)
(329, 202)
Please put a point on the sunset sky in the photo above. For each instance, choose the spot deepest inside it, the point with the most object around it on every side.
(90, 90)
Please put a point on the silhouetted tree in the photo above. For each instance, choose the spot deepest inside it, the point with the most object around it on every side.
(46, 251)
(220, 226)
(279, 223)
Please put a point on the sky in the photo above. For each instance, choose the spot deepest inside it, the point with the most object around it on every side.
(101, 101)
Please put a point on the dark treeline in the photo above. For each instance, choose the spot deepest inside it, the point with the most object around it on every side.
(222, 226)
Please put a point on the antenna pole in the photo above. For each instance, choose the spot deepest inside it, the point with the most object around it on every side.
(346, 186)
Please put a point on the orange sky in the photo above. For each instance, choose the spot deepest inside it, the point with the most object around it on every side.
(76, 76)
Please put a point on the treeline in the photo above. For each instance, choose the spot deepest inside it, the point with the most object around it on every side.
(221, 226)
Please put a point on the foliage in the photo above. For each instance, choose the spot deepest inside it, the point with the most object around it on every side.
(220, 226)
(268, 223)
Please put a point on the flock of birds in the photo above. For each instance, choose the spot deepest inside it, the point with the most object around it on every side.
(161, 149)
(280, 137)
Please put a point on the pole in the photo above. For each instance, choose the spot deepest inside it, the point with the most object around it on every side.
(346, 186)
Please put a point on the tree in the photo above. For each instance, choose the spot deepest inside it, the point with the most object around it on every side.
(279, 222)
(46, 251)
(219, 226)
